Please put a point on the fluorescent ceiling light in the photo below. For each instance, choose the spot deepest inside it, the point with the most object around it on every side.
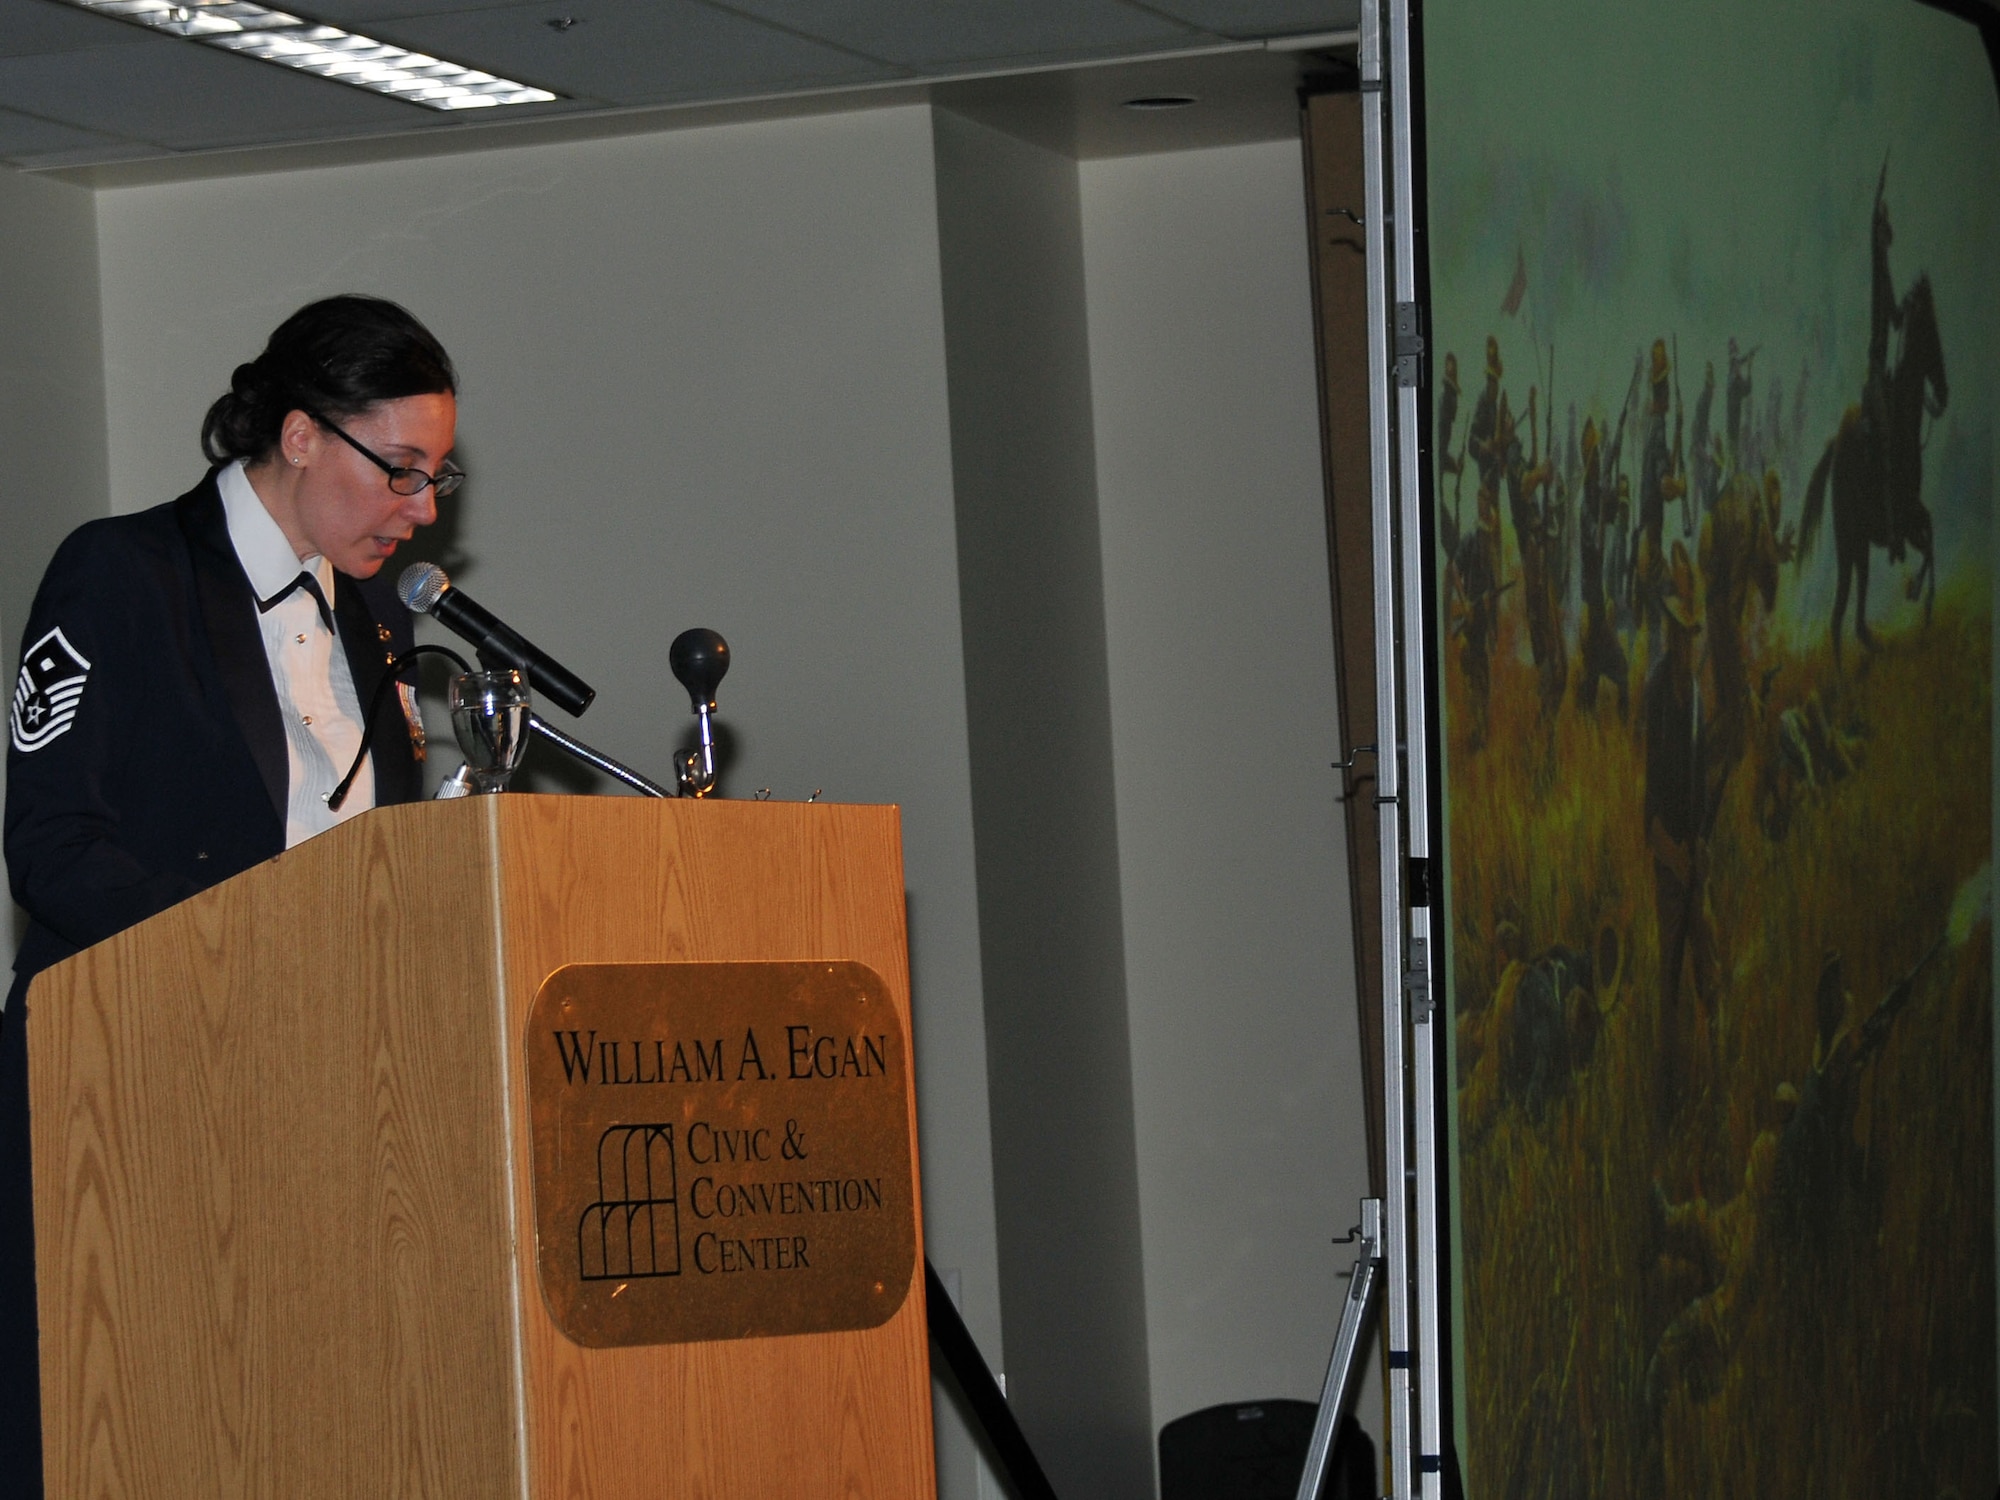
(308, 47)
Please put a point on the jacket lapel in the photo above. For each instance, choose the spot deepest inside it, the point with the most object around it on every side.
(229, 616)
(370, 647)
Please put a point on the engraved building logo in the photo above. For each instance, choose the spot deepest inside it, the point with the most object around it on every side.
(634, 1228)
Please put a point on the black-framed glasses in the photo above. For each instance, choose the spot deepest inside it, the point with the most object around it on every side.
(403, 480)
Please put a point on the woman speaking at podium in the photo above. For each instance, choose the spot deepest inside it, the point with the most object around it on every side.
(192, 687)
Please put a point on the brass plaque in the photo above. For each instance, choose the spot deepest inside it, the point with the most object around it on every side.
(722, 1151)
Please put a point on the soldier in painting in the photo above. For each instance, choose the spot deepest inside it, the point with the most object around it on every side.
(1448, 418)
(1771, 432)
(1885, 313)
(1674, 810)
(1572, 465)
(1471, 565)
(1477, 561)
(1619, 563)
(1603, 657)
(1528, 476)
(1818, 1183)
(1802, 1191)
(1558, 520)
(1707, 468)
(1478, 614)
(1661, 481)
(1538, 1031)
(1809, 752)
(1481, 445)
(1724, 1246)
(1739, 399)
(1741, 552)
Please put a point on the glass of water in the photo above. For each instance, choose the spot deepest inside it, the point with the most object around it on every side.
(489, 714)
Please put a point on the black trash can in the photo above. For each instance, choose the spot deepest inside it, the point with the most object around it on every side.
(1256, 1450)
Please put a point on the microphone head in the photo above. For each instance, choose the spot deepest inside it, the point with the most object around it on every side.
(699, 658)
(421, 585)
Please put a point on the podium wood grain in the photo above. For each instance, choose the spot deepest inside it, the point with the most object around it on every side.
(282, 1193)
(737, 881)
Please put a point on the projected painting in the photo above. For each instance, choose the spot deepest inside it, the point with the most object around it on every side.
(1716, 315)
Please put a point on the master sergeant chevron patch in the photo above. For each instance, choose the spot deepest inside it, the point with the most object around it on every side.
(53, 673)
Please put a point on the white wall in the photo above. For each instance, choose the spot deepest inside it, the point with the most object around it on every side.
(1031, 589)
(704, 383)
(51, 382)
(51, 397)
(1245, 1054)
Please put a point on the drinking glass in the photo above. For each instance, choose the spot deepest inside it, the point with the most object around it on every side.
(489, 714)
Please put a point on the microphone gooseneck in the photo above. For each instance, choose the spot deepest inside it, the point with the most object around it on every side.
(426, 589)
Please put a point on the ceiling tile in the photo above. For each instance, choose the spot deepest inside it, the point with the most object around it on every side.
(1262, 18)
(76, 86)
(936, 33)
(23, 136)
(28, 27)
(186, 96)
(356, 13)
(632, 51)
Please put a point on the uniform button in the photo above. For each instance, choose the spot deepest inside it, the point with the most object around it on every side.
(300, 639)
(305, 718)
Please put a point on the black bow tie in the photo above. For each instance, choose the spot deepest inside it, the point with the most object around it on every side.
(304, 581)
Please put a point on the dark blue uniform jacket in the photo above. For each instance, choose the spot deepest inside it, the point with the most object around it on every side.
(169, 776)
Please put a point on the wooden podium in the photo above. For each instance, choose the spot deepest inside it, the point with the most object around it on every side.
(292, 1146)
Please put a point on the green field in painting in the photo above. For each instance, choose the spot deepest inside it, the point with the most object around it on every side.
(1813, 1325)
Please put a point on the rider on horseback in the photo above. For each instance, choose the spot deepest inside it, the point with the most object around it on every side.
(1884, 313)
(1873, 467)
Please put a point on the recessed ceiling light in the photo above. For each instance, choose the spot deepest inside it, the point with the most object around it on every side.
(1160, 101)
(306, 46)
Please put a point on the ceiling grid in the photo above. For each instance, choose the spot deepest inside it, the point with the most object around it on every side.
(81, 90)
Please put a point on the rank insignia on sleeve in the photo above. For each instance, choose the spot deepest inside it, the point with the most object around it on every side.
(53, 673)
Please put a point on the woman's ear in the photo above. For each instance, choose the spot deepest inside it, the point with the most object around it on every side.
(298, 438)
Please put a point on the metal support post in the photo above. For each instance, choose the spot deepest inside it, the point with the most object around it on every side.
(1416, 637)
(1389, 763)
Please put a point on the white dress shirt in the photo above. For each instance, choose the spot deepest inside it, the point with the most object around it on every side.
(316, 698)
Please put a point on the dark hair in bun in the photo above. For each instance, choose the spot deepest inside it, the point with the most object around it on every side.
(338, 358)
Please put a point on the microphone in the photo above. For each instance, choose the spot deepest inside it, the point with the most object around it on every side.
(426, 589)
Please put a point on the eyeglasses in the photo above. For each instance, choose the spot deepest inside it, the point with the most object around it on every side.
(402, 480)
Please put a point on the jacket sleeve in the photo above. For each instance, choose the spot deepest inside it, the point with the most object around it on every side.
(65, 862)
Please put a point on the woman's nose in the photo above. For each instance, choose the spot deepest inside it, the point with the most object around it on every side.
(421, 509)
